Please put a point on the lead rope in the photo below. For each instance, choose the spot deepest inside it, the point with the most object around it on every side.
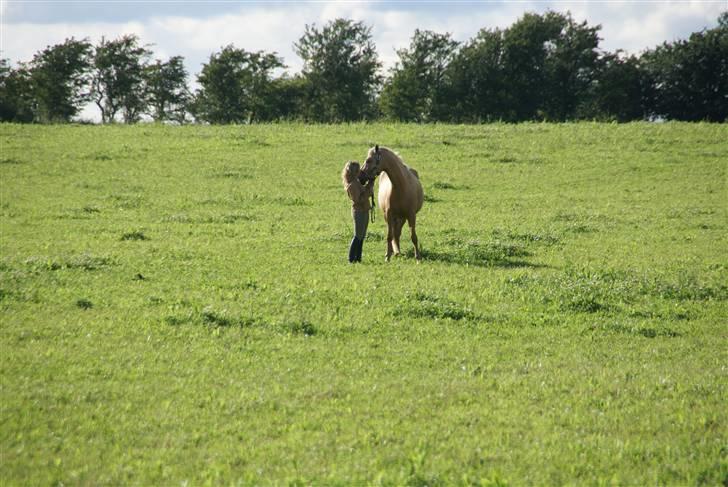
(371, 210)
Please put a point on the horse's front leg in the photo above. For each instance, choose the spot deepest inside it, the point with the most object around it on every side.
(398, 224)
(413, 235)
(390, 236)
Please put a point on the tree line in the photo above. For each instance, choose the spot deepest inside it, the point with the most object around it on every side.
(543, 67)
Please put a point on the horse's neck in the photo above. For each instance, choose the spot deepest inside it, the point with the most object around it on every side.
(395, 170)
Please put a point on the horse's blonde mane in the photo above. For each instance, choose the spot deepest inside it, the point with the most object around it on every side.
(399, 158)
(390, 151)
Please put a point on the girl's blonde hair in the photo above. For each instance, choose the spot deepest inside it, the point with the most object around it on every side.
(350, 172)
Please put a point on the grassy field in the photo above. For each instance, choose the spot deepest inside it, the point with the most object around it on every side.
(177, 307)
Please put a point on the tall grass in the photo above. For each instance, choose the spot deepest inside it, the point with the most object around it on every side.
(177, 307)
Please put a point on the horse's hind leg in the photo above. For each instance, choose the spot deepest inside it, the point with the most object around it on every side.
(413, 234)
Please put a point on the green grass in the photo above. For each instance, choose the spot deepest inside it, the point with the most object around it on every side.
(177, 307)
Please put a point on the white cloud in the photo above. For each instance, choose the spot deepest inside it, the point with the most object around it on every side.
(197, 39)
(21, 41)
(636, 26)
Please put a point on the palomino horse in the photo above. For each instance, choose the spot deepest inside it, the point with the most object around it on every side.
(400, 195)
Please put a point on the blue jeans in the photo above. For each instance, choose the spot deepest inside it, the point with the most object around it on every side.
(361, 222)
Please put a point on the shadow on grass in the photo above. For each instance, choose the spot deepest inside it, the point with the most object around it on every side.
(659, 331)
(422, 305)
(502, 263)
(492, 254)
(222, 319)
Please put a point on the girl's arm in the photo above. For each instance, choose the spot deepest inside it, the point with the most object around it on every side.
(355, 191)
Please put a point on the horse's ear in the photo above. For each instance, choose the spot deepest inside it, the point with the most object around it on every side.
(376, 148)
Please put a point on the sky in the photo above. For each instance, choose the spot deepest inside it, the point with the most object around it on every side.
(196, 29)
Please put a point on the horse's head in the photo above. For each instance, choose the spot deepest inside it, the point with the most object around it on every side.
(373, 163)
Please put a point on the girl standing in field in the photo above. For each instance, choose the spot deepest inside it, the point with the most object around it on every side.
(359, 194)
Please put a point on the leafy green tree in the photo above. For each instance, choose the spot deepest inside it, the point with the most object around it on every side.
(570, 67)
(235, 86)
(527, 71)
(541, 67)
(688, 79)
(118, 78)
(341, 70)
(525, 49)
(616, 92)
(478, 89)
(401, 98)
(286, 98)
(59, 79)
(166, 88)
(416, 90)
(16, 97)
